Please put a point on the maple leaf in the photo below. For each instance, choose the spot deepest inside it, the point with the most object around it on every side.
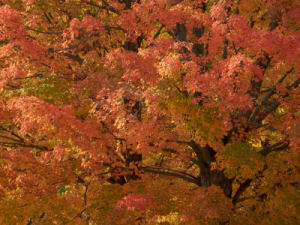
(163, 111)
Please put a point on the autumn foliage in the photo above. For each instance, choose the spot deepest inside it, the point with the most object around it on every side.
(149, 112)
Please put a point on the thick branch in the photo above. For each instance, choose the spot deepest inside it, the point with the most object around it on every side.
(74, 57)
(274, 148)
(12, 133)
(241, 190)
(204, 155)
(259, 125)
(276, 104)
(171, 172)
(107, 27)
(158, 32)
(10, 138)
(15, 145)
(271, 92)
(105, 6)
(176, 2)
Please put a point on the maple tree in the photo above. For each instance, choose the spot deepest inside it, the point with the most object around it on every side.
(149, 112)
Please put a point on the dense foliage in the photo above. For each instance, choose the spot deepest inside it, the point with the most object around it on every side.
(149, 112)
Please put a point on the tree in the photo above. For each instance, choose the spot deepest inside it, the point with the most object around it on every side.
(149, 112)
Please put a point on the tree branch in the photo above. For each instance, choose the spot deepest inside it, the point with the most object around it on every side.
(271, 92)
(42, 32)
(74, 57)
(171, 172)
(241, 190)
(109, 131)
(158, 32)
(274, 148)
(107, 6)
(12, 133)
(10, 138)
(15, 145)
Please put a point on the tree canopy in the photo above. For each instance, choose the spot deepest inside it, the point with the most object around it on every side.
(149, 112)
